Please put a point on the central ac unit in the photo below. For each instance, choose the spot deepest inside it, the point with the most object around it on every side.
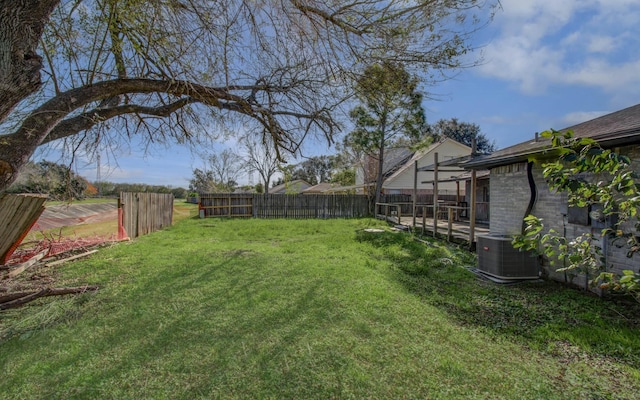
(497, 257)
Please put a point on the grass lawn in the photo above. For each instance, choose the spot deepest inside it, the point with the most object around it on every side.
(310, 309)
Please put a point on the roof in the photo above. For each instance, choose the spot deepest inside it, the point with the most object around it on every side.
(421, 153)
(319, 188)
(295, 186)
(618, 128)
(337, 189)
(394, 159)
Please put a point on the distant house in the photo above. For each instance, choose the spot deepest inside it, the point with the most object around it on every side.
(518, 188)
(320, 188)
(399, 168)
(294, 187)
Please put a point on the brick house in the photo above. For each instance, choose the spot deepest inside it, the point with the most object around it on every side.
(518, 188)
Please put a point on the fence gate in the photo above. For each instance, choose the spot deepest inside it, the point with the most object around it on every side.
(143, 213)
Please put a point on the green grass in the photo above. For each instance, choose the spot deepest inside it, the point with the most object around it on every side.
(310, 309)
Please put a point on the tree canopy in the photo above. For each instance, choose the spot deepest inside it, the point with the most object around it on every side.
(390, 109)
(261, 158)
(94, 72)
(55, 180)
(462, 132)
(313, 170)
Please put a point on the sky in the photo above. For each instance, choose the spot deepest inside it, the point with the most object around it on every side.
(544, 64)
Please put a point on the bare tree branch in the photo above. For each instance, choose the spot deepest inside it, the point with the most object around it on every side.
(87, 120)
(163, 67)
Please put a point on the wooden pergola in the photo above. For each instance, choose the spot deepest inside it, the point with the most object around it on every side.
(439, 167)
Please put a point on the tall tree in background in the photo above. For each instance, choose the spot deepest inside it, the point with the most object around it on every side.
(262, 158)
(162, 71)
(226, 168)
(313, 170)
(390, 109)
(55, 180)
(462, 132)
(202, 182)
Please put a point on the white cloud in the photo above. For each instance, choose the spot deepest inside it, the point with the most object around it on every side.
(602, 73)
(515, 60)
(581, 116)
(601, 44)
(542, 44)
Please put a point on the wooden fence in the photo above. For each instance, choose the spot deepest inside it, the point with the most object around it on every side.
(312, 206)
(143, 213)
(308, 205)
(300, 206)
(18, 213)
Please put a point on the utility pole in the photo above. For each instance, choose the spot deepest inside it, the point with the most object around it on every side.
(98, 177)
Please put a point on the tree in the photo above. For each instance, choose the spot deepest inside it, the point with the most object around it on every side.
(55, 180)
(226, 167)
(202, 182)
(462, 132)
(313, 170)
(112, 189)
(346, 162)
(590, 175)
(345, 177)
(166, 69)
(390, 109)
(261, 158)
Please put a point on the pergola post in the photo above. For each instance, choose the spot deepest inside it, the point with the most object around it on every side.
(415, 191)
(457, 200)
(435, 194)
(472, 200)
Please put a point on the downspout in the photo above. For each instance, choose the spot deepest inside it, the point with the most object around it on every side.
(534, 194)
(532, 199)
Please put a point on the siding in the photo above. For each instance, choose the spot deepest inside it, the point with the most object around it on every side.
(446, 150)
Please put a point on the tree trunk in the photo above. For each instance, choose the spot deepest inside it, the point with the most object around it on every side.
(22, 23)
(383, 137)
(380, 173)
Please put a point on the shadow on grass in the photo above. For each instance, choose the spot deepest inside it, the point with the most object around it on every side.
(540, 314)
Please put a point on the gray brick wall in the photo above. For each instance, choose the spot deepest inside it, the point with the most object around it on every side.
(616, 257)
(510, 196)
(509, 193)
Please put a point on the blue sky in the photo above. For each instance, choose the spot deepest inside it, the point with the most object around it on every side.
(546, 64)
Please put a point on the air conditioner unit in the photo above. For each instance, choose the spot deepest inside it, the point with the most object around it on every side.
(497, 257)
